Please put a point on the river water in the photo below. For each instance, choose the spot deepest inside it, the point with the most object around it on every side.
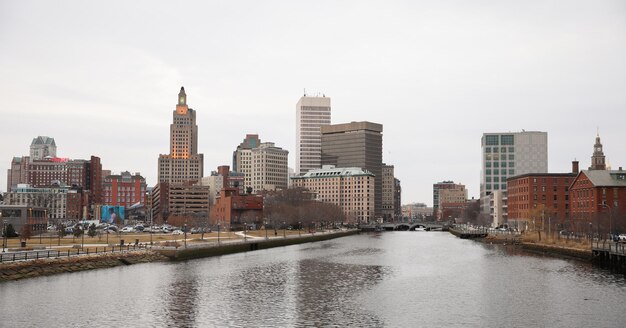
(391, 279)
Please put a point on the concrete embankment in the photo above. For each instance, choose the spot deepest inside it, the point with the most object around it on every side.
(45, 267)
(200, 251)
(577, 253)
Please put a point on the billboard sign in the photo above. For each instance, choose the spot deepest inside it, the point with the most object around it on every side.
(112, 214)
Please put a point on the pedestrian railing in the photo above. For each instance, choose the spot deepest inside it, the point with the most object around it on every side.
(609, 246)
(54, 253)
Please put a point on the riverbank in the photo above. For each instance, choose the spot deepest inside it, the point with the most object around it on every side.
(208, 250)
(551, 249)
(45, 267)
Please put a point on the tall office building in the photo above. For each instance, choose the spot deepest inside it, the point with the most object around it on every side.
(183, 164)
(270, 171)
(311, 114)
(356, 144)
(242, 157)
(505, 155)
(388, 192)
(447, 192)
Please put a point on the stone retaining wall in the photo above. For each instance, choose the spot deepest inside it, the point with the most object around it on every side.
(44, 267)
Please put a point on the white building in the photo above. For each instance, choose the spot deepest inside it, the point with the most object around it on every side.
(311, 114)
(270, 170)
(505, 155)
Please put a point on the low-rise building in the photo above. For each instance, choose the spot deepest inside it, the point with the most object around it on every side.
(233, 210)
(20, 215)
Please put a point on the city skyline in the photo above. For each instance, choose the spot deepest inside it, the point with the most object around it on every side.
(435, 75)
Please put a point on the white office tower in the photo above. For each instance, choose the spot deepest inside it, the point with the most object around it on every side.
(311, 114)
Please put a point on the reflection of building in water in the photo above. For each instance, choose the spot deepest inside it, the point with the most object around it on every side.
(182, 299)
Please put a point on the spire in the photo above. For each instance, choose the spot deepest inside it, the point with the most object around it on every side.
(182, 97)
(598, 158)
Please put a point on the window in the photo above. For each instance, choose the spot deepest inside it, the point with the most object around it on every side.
(511, 157)
(503, 186)
(503, 164)
(488, 150)
(488, 164)
(507, 139)
(496, 172)
(511, 149)
(491, 140)
(488, 171)
(511, 172)
(496, 164)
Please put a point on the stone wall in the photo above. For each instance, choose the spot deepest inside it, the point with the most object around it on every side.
(44, 267)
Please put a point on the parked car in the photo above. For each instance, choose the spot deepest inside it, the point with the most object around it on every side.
(177, 232)
(621, 238)
(111, 229)
(128, 229)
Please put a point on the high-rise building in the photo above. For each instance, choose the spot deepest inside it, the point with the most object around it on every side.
(42, 147)
(242, 157)
(311, 114)
(183, 164)
(263, 165)
(388, 192)
(505, 155)
(598, 160)
(356, 144)
(397, 199)
(269, 171)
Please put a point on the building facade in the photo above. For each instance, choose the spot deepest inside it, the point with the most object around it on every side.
(234, 210)
(311, 114)
(447, 192)
(505, 155)
(397, 199)
(269, 167)
(223, 178)
(388, 193)
(598, 197)
(242, 158)
(356, 144)
(35, 218)
(183, 163)
(352, 189)
(53, 200)
(532, 193)
(124, 189)
(42, 147)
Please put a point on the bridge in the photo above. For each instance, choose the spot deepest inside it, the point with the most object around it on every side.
(405, 226)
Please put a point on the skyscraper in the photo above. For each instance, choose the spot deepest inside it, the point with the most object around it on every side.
(311, 114)
(356, 144)
(505, 155)
(183, 164)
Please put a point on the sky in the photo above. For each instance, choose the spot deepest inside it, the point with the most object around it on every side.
(102, 78)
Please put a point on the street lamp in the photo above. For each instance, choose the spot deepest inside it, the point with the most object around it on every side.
(4, 234)
(284, 232)
(610, 220)
(218, 233)
(185, 232)
(299, 228)
(265, 223)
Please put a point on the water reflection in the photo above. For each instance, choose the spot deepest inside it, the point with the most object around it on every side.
(393, 279)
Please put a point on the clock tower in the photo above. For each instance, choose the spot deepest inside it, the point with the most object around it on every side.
(598, 159)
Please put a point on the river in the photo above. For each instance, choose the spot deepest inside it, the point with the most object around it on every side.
(390, 279)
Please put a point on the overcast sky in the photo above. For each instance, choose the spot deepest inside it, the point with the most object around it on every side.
(102, 78)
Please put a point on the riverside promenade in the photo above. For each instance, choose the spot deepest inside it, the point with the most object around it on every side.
(175, 250)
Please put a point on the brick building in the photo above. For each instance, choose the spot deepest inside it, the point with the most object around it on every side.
(124, 189)
(599, 197)
(549, 191)
(232, 210)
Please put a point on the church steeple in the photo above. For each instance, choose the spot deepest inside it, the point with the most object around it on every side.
(598, 158)
(182, 97)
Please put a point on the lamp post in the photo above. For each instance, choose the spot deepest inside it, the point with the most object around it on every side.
(185, 232)
(610, 220)
(245, 237)
(299, 228)
(4, 234)
(284, 232)
(265, 222)
(218, 233)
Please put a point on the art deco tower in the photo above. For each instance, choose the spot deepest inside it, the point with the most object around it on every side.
(183, 164)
